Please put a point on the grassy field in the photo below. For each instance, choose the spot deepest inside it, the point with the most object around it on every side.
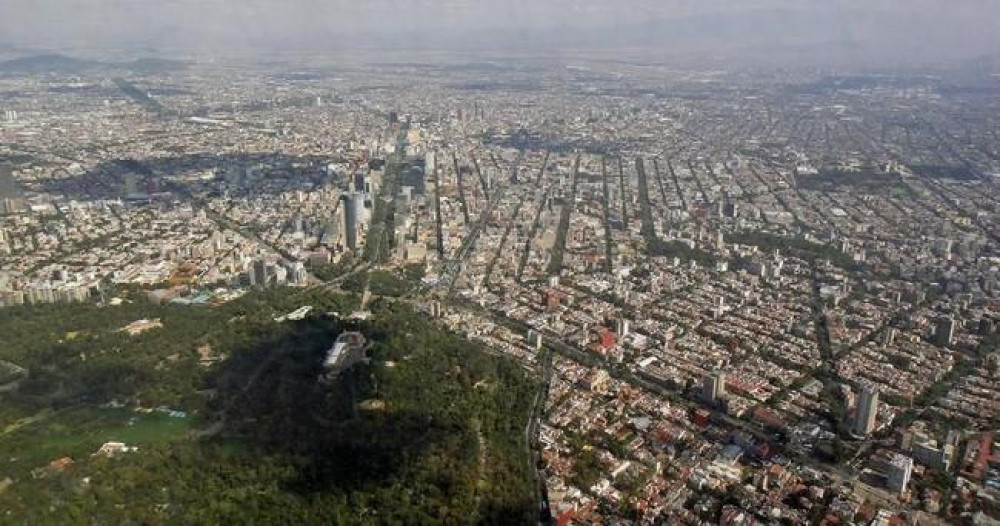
(79, 432)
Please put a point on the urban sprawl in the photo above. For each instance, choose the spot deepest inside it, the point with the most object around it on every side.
(750, 298)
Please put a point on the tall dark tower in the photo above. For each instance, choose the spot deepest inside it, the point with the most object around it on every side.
(350, 206)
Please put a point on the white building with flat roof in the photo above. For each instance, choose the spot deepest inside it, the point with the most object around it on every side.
(347, 350)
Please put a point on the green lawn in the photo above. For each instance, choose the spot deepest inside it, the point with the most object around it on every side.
(79, 432)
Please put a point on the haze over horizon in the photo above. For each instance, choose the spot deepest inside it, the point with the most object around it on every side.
(838, 31)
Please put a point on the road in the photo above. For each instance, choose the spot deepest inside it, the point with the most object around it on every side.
(452, 268)
(531, 440)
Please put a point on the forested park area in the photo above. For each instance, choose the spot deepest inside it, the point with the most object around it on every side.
(233, 424)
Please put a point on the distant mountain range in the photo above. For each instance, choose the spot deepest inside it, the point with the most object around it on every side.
(62, 64)
(792, 36)
(811, 36)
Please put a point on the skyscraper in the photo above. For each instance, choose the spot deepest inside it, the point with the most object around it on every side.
(297, 273)
(622, 327)
(430, 163)
(944, 331)
(898, 472)
(260, 274)
(350, 220)
(867, 410)
(714, 386)
(731, 209)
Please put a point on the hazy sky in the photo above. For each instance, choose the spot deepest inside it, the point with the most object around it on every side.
(918, 27)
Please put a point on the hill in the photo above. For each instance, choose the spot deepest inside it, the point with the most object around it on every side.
(430, 431)
(55, 63)
(66, 65)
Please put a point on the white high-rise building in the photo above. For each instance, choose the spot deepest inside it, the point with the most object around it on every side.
(622, 327)
(899, 470)
(430, 163)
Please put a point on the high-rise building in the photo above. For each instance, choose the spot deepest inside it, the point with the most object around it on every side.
(260, 277)
(279, 275)
(714, 386)
(131, 182)
(430, 163)
(943, 248)
(890, 336)
(11, 205)
(351, 220)
(867, 410)
(731, 210)
(944, 331)
(986, 326)
(926, 451)
(534, 339)
(331, 231)
(297, 273)
(416, 178)
(622, 327)
(898, 472)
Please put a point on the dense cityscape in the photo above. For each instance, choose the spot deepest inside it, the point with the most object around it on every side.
(743, 297)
